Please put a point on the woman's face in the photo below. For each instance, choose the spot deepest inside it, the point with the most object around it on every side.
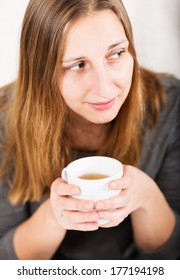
(97, 67)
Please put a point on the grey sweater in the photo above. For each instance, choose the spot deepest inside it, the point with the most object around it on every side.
(160, 159)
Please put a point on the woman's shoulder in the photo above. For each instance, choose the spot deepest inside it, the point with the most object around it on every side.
(5, 95)
(171, 85)
(6, 91)
(159, 139)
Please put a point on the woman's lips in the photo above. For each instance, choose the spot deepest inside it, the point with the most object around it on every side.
(102, 106)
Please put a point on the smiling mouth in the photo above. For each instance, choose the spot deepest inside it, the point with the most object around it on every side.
(102, 106)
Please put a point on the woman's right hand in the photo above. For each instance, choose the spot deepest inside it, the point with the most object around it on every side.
(72, 213)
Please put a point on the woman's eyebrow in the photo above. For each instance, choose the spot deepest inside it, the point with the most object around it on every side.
(83, 57)
(73, 59)
(117, 44)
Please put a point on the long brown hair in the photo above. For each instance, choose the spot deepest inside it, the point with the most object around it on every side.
(37, 146)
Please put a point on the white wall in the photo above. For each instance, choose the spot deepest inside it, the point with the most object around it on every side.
(11, 15)
(156, 25)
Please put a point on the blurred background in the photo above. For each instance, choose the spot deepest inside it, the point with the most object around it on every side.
(156, 26)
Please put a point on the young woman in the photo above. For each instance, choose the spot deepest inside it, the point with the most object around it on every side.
(80, 92)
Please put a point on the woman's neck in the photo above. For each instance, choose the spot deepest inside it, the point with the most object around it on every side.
(86, 135)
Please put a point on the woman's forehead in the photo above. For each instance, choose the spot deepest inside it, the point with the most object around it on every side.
(97, 28)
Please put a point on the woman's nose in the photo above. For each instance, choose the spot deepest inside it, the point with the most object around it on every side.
(102, 82)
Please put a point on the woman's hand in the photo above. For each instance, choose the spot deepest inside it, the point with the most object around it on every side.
(136, 190)
(72, 213)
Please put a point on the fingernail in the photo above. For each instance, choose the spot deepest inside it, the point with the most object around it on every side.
(75, 190)
(100, 205)
(114, 185)
(93, 217)
(101, 215)
(88, 205)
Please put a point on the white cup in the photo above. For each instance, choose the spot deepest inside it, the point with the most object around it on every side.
(93, 189)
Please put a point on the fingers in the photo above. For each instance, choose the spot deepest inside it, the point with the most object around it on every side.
(85, 227)
(123, 185)
(80, 221)
(76, 220)
(60, 188)
(61, 195)
(124, 182)
(79, 214)
(80, 217)
(114, 210)
(74, 204)
(115, 217)
(72, 213)
(113, 202)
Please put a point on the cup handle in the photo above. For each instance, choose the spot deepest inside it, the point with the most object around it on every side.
(64, 175)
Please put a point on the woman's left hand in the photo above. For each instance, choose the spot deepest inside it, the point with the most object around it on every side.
(136, 189)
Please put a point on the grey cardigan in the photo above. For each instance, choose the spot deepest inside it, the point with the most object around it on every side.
(160, 159)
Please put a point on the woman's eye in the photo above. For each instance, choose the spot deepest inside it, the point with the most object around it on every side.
(116, 55)
(77, 66)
